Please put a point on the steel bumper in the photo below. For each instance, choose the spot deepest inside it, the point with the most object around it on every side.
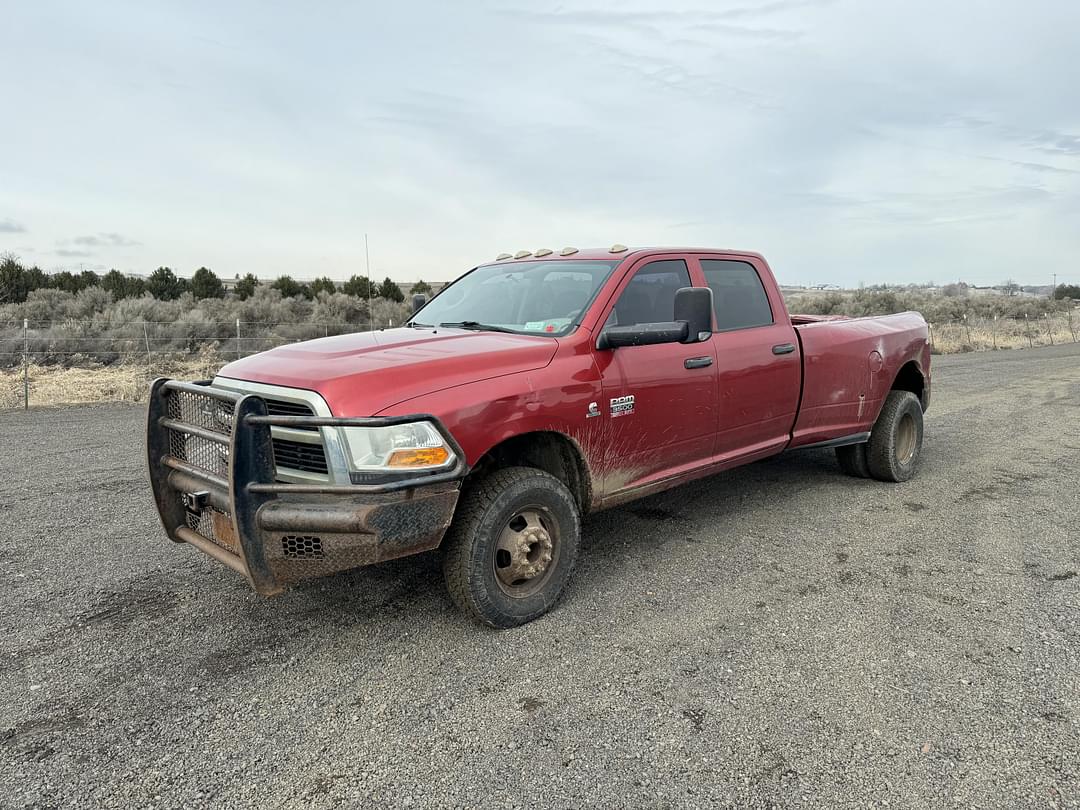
(212, 471)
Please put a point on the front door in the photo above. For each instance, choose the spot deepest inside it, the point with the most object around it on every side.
(659, 407)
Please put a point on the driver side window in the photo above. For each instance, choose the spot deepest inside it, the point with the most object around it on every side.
(650, 295)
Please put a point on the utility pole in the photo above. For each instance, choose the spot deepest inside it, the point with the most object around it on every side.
(1054, 288)
(367, 272)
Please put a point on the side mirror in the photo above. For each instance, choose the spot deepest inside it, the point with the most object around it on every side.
(694, 305)
(418, 301)
(643, 334)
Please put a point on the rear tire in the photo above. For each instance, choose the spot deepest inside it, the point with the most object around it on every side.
(896, 441)
(512, 547)
(852, 459)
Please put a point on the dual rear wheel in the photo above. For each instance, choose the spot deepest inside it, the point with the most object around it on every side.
(892, 453)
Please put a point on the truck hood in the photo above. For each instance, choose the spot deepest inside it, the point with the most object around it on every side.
(363, 373)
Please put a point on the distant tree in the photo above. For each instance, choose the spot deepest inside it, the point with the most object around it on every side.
(290, 287)
(245, 287)
(88, 278)
(13, 287)
(1010, 287)
(164, 285)
(35, 279)
(64, 280)
(360, 286)
(116, 283)
(420, 287)
(391, 291)
(955, 290)
(1067, 291)
(204, 284)
(323, 284)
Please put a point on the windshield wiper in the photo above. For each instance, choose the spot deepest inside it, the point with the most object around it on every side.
(480, 327)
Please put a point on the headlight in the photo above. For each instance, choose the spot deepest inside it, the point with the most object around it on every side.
(410, 446)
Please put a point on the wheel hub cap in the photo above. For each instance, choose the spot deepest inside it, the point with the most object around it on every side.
(524, 552)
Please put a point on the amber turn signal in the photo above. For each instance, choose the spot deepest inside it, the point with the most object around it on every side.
(423, 457)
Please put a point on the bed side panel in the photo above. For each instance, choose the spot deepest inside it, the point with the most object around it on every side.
(848, 368)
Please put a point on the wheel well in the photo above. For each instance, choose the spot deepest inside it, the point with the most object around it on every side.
(554, 453)
(910, 378)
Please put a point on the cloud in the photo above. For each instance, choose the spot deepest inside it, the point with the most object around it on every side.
(11, 226)
(105, 240)
(846, 141)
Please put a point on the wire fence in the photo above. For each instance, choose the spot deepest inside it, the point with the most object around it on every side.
(973, 334)
(47, 357)
(61, 361)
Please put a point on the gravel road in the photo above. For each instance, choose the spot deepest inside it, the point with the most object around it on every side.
(779, 635)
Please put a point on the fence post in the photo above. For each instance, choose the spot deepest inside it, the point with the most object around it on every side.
(993, 330)
(149, 362)
(1072, 330)
(26, 363)
(930, 335)
(1049, 329)
(237, 338)
(1027, 330)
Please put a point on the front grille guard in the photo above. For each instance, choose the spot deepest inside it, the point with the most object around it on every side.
(240, 480)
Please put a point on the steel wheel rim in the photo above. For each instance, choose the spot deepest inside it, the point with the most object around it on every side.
(526, 552)
(906, 436)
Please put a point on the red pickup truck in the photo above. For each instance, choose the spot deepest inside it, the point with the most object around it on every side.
(525, 394)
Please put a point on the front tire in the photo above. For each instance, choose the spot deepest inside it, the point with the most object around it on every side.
(896, 440)
(512, 547)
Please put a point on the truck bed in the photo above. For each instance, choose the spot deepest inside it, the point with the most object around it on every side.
(849, 365)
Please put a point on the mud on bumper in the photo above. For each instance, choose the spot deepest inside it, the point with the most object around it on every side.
(212, 470)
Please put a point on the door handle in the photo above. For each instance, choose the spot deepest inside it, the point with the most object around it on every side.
(697, 362)
(783, 348)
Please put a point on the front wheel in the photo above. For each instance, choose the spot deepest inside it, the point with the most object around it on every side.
(895, 445)
(512, 547)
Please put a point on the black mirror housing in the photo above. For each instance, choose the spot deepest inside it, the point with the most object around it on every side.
(694, 306)
(418, 301)
(643, 334)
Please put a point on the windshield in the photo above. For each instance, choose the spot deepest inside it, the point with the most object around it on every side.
(546, 298)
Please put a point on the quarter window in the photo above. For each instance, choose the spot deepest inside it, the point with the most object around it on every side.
(738, 295)
(650, 295)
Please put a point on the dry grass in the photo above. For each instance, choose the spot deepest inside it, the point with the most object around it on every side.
(988, 334)
(57, 385)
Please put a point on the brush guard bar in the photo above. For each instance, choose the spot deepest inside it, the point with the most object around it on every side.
(213, 475)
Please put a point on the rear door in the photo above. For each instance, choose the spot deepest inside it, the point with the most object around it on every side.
(659, 405)
(758, 365)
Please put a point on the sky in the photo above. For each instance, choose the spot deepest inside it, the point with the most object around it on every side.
(849, 141)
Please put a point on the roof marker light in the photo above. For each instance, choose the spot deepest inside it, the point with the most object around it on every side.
(521, 254)
(502, 256)
(617, 248)
(543, 252)
(568, 251)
